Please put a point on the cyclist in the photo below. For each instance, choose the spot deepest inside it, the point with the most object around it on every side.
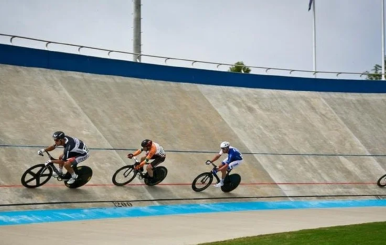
(153, 151)
(75, 151)
(234, 159)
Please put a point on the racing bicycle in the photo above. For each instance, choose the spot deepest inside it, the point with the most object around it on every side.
(126, 174)
(203, 181)
(40, 174)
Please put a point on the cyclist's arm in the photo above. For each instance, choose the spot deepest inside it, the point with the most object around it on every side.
(58, 161)
(225, 166)
(230, 157)
(66, 153)
(50, 148)
(152, 152)
(226, 162)
(216, 157)
(137, 152)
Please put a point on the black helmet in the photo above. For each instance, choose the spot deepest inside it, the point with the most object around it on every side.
(146, 143)
(58, 135)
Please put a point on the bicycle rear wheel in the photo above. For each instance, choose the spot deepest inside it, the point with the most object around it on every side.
(231, 182)
(36, 176)
(124, 175)
(202, 181)
(159, 175)
(84, 175)
(382, 181)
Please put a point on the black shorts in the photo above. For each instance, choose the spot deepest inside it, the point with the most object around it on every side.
(157, 160)
(77, 159)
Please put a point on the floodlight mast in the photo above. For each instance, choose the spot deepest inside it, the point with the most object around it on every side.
(137, 31)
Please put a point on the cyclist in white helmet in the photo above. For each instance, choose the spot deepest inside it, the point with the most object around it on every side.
(234, 159)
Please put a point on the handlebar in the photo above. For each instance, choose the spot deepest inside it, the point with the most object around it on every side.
(210, 162)
(49, 155)
(135, 159)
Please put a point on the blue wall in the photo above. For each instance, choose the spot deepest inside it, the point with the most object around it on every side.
(21, 56)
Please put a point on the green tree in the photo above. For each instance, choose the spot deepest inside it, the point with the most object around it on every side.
(376, 73)
(239, 67)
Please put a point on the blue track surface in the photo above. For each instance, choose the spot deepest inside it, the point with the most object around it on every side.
(59, 215)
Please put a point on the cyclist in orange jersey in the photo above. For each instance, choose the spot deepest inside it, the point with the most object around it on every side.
(153, 151)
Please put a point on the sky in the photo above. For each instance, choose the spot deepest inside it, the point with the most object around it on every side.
(263, 33)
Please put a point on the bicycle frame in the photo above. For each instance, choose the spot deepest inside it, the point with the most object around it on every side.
(52, 166)
(215, 174)
(140, 173)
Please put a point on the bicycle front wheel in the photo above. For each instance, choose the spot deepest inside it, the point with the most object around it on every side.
(36, 176)
(382, 181)
(202, 181)
(124, 175)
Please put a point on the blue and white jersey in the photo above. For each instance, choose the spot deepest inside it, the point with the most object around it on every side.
(233, 155)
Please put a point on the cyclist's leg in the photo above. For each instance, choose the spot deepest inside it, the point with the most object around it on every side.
(60, 169)
(234, 164)
(153, 164)
(141, 160)
(80, 159)
(72, 162)
(68, 165)
(223, 168)
(61, 164)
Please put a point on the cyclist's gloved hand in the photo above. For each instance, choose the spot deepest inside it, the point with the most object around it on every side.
(208, 162)
(130, 155)
(41, 151)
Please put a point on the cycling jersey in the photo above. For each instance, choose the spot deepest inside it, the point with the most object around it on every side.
(233, 155)
(74, 147)
(155, 150)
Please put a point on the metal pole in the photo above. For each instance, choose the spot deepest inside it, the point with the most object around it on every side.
(314, 35)
(383, 39)
(137, 31)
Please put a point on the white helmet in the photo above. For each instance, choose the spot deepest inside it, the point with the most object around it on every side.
(224, 144)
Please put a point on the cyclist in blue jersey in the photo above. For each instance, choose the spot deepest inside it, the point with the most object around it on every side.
(233, 160)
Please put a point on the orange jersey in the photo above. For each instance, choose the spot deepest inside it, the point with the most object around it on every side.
(155, 150)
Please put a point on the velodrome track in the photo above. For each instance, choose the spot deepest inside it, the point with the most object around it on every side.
(182, 224)
(295, 144)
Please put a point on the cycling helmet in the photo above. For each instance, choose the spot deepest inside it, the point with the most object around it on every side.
(146, 143)
(58, 135)
(224, 144)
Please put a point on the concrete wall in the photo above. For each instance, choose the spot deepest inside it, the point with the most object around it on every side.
(295, 143)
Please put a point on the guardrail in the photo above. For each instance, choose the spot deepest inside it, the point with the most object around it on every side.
(217, 64)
